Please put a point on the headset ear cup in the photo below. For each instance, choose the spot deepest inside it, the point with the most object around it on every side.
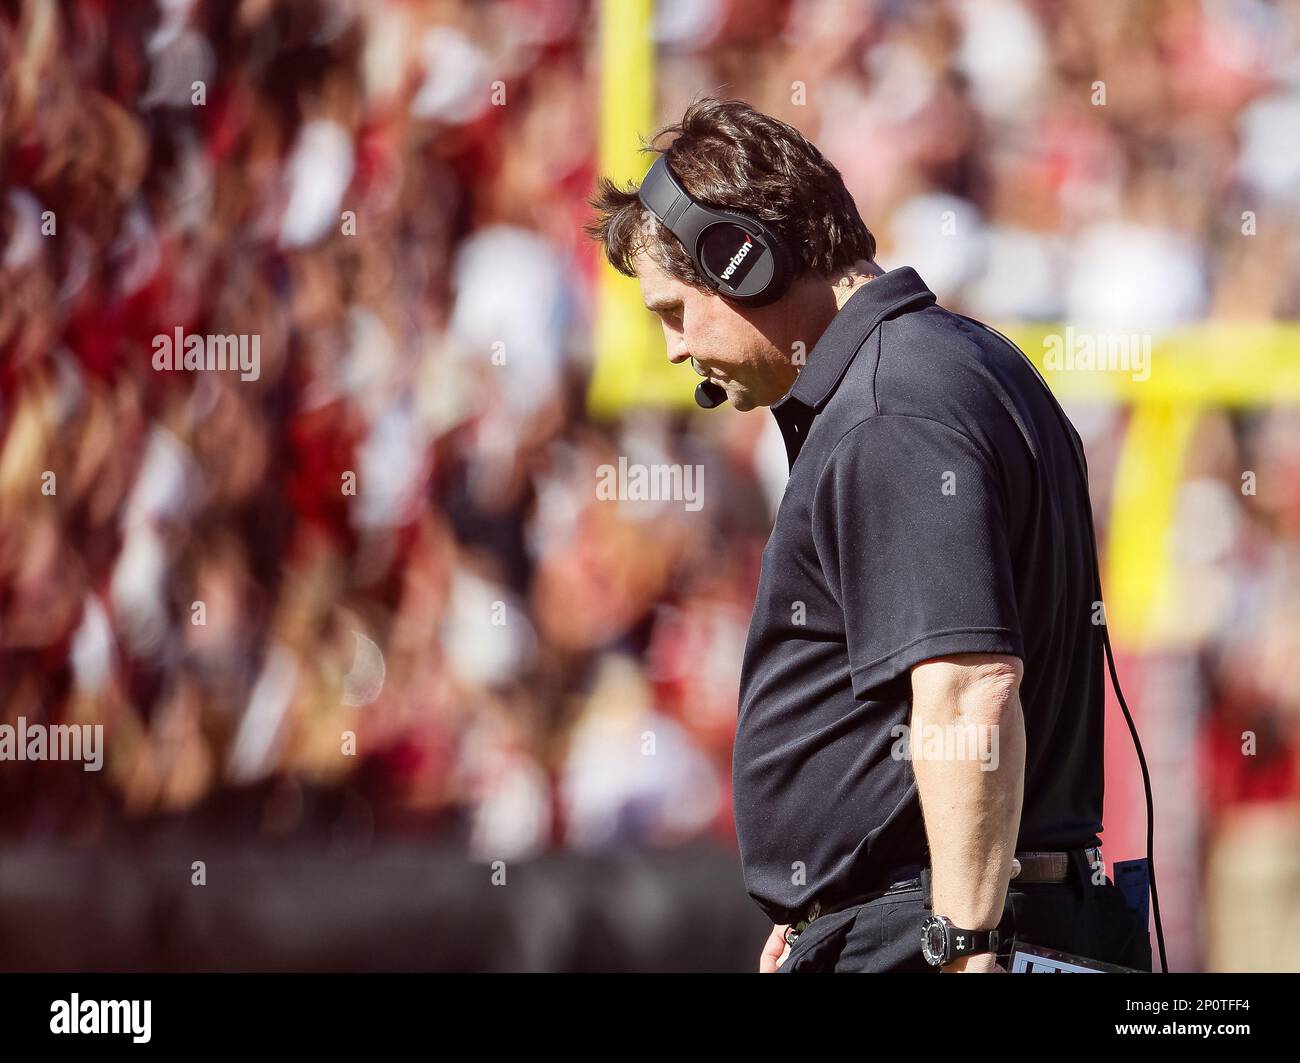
(782, 260)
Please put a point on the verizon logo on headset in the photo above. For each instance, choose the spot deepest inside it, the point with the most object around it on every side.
(737, 258)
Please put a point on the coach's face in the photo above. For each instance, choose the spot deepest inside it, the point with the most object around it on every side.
(744, 350)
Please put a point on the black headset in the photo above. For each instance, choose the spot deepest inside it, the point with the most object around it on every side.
(739, 257)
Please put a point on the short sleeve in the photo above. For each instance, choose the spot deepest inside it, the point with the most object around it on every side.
(910, 525)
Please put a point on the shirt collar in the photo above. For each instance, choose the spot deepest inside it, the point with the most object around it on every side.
(856, 319)
(884, 295)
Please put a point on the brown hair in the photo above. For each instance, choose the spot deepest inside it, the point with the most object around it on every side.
(729, 156)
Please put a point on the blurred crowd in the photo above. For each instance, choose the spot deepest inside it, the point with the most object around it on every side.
(372, 589)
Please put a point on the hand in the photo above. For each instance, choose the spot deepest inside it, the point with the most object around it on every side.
(980, 963)
(775, 951)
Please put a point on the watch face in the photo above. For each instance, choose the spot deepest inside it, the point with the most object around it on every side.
(932, 940)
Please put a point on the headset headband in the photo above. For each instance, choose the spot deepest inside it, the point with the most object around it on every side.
(739, 257)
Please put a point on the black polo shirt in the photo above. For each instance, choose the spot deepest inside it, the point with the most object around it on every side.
(934, 507)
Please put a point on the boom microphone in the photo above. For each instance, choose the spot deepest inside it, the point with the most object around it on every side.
(709, 394)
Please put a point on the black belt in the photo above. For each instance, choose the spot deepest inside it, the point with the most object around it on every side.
(1034, 866)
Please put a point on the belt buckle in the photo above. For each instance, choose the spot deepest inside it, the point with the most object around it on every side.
(1096, 863)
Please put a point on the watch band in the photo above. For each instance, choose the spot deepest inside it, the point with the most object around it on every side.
(942, 942)
(969, 942)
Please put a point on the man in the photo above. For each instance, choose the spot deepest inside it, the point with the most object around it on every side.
(921, 696)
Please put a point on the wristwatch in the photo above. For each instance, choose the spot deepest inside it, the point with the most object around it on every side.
(941, 942)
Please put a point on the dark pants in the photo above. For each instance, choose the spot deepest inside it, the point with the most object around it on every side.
(884, 934)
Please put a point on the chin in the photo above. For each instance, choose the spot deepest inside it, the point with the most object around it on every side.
(746, 398)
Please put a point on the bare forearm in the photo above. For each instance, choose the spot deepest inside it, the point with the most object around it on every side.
(971, 794)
